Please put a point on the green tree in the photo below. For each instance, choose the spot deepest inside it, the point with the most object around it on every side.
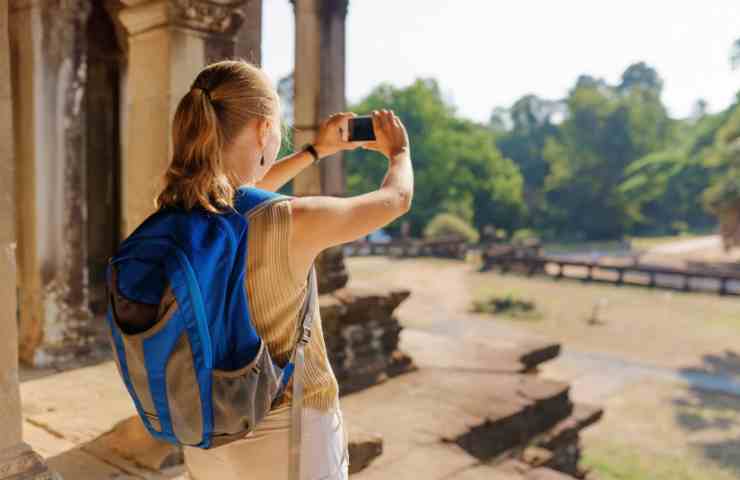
(605, 131)
(530, 123)
(723, 157)
(641, 76)
(457, 166)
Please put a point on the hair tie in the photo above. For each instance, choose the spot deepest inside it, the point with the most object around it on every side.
(206, 91)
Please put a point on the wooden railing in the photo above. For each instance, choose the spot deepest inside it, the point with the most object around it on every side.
(410, 248)
(654, 276)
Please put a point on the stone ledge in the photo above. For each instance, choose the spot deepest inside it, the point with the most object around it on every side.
(431, 350)
(582, 417)
(517, 470)
(22, 463)
(364, 447)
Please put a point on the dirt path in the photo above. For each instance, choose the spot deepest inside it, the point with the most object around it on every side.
(442, 292)
(687, 246)
(441, 295)
(666, 366)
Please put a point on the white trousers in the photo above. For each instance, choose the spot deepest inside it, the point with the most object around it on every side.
(263, 454)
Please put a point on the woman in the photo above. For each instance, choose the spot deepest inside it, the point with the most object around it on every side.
(226, 134)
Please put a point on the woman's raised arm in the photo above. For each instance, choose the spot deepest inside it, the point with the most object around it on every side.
(328, 142)
(320, 222)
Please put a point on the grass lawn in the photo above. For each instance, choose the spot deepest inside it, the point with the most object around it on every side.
(625, 462)
(659, 431)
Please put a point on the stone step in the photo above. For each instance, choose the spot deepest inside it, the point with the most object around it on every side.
(532, 354)
(365, 338)
(362, 336)
(547, 474)
(511, 470)
(431, 350)
(509, 428)
(562, 441)
(522, 471)
(359, 305)
(552, 455)
(567, 430)
(372, 371)
(364, 447)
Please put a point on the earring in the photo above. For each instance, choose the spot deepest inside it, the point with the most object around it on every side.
(262, 160)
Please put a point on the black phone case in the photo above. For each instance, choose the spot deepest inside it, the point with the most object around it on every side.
(361, 129)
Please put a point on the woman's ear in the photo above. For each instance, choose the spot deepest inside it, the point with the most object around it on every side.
(263, 132)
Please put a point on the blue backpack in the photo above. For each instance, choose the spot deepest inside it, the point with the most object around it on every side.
(196, 369)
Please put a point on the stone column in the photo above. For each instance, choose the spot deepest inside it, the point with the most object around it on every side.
(169, 42)
(249, 38)
(48, 51)
(320, 91)
(17, 460)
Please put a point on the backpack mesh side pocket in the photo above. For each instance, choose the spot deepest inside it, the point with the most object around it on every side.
(157, 365)
(243, 397)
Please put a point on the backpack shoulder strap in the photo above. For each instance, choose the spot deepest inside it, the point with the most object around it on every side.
(298, 360)
(250, 200)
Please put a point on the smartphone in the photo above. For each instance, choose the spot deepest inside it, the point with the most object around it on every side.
(360, 129)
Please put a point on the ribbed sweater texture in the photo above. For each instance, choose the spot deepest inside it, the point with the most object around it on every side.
(275, 298)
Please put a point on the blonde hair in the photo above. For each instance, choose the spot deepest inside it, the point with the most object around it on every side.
(223, 97)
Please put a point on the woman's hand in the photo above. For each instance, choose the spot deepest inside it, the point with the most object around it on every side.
(329, 139)
(391, 138)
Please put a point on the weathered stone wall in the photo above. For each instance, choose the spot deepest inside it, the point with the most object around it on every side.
(10, 408)
(48, 64)
(17, 460)
(88, 171)
(102, 150)
(362, 336)
(249, 38)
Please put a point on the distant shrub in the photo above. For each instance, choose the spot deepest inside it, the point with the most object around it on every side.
(509, 304)
(447, 225)
(680, 227)
(524, 235)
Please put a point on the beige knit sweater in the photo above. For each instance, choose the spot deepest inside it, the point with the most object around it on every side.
(275, 297)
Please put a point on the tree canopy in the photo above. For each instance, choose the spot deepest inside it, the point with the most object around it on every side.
(458, 168)
(604, 162)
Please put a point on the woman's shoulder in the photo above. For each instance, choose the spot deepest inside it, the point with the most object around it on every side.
(273, 213)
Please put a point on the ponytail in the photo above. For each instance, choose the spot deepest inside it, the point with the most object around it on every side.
(220, 102)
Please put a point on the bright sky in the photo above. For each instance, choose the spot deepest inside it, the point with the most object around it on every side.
(488, 53)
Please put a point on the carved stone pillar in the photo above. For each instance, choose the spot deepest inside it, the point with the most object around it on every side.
(17, 460)
(249, 38)
(48, 67)
(320, 91)
(169, 42)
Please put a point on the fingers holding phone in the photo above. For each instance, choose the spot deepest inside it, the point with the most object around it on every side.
(390, 134)
(332, 135)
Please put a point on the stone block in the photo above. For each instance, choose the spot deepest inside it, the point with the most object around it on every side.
(130, 440)
(536, 456)
(532, 354)
(362, 336)
(547, 474)
(21, 463)
(568, 429)
(430, 461)
(364, 447)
